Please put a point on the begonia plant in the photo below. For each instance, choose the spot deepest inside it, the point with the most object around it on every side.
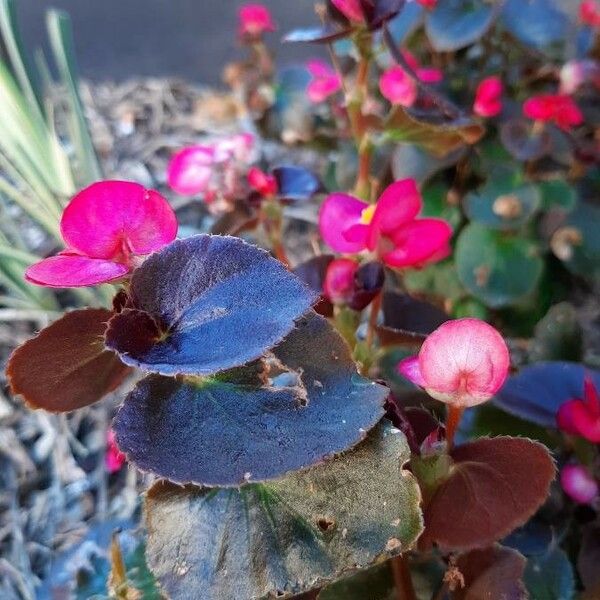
(371, 394)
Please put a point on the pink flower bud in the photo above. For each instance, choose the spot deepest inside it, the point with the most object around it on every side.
(338, 286)
(263, 183)
(488, 97)
(255, 19)
(114, 459)
(463, 362)
(351, 9)
(578, 483)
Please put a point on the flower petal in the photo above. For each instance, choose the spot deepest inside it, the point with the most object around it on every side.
(409, 368)
(190, 170)
(338, 213)
(399, 204)
(419, 242)
(398, 86)
(464, 362)
(73, 270)
(109, 217)
(579, 484)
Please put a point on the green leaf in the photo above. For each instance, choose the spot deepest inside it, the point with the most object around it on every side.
(290, 535)
(498, 268)
(454, 24)
(501, 205)
(376, 583)
(557, 193)
(436, 204)
(550, 576)
(61, 42)
(433, 131)
(581, 253)
(558, 336)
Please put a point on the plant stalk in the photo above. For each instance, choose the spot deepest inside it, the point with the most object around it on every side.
(402, 578)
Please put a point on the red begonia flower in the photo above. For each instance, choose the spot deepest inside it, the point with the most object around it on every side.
(582, 416)
(428, 4)
(488, 97)
(324, 83)
(263, 183)
(589, 13)
(579, 484)
(255, 19)
(390, 229)
(338, 286)
(463, 362)
(351, 9)
(106, 228)
(556, 108)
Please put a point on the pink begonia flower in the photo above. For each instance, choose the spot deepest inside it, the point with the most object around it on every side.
(114, 458)
(555, 108)
(582, 416)
(398, 86)
(390, 228)
(255, 19)
(338, 286)
(263, 183)
(106, 228)
(576, 73)
(579, 484)
(324, 83)
(197, 169)
(425, 74)
(488, 97)
(589, 13)
(463, 363)
(428, 4)
(351, 9)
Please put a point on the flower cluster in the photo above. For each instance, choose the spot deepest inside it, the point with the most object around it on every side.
(213, 171)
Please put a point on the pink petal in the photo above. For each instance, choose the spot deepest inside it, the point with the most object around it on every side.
(579, 484)
(338, 286)
(351, 9)
(428, 4)
(338, 213)
(190, 170)
(430, 75)
(357, 234)
(487, 97)
(399, 204)
(417, 242)
(263, 183)
(464, 362)
(585, 422)
(564, 417)
(71, 270)
(319, 90)
(589, 13)
(111, 217)
(319, 68)
(255, 19)
(398, 86)
(590, 394)
(409, 368)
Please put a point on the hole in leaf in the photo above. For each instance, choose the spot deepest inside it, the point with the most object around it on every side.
(325, 524)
